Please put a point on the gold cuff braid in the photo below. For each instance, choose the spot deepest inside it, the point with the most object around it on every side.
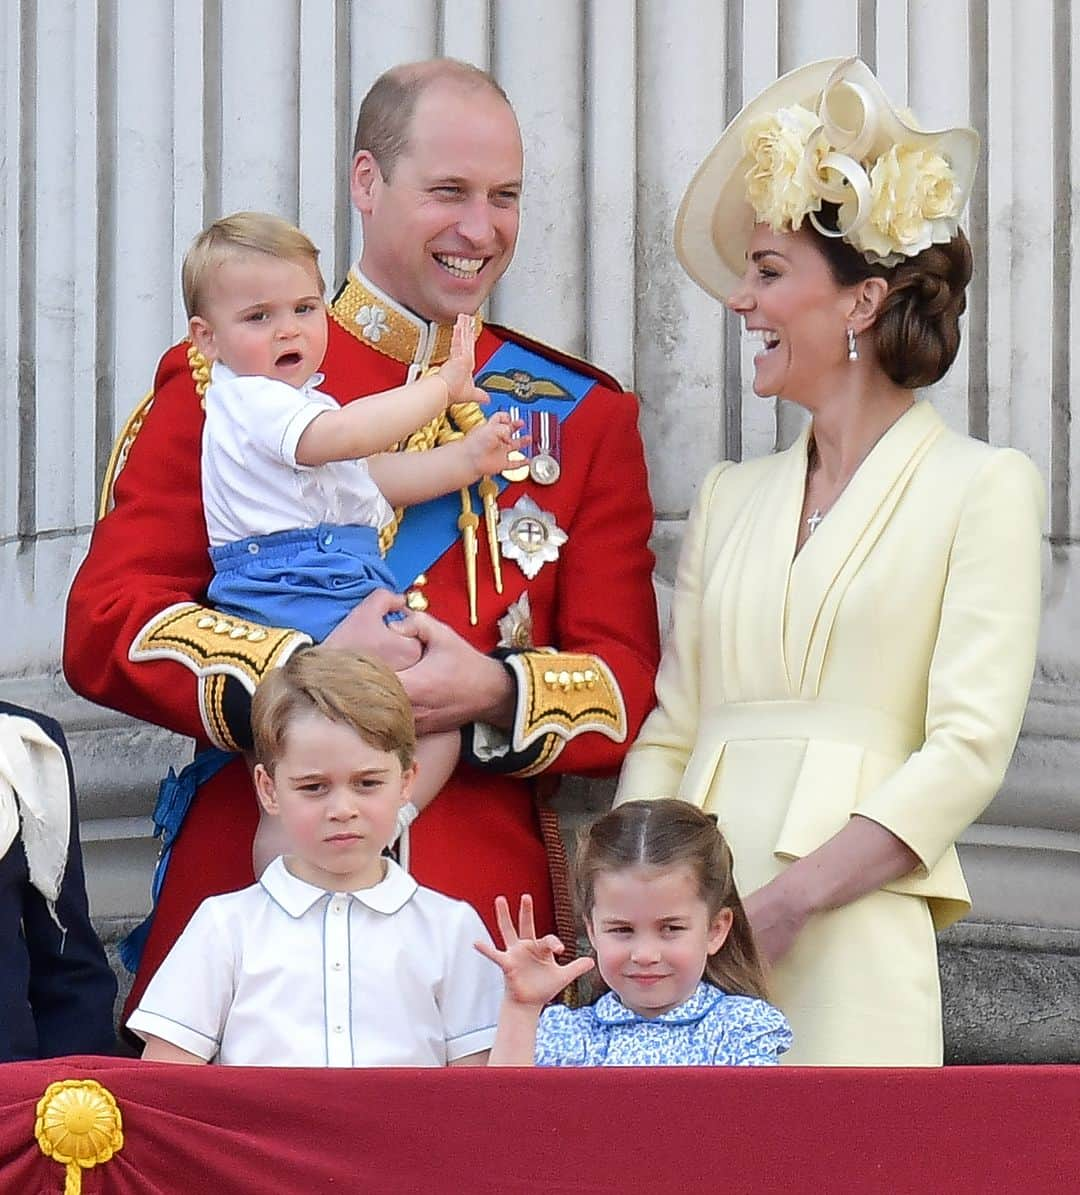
(215, 647)
(561, 695)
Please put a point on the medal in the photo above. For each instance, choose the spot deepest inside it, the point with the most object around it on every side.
(518, 471)
(530, 536)
(544, 468)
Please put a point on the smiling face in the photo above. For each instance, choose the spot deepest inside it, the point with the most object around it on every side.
(338, 798)
(440, 232)
(652, 934)
(789, 299)
(263, 316)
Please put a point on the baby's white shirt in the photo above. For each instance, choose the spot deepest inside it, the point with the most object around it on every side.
(251, 483)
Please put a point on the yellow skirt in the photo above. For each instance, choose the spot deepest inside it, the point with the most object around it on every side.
(860, 985)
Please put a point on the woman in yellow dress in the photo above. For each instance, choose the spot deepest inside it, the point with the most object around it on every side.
(855, 619)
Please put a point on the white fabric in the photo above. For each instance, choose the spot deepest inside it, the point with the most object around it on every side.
(34, 790)
(251, 482)
(287, 974)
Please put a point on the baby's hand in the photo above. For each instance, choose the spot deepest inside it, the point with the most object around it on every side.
(458, 370)
(529, 966)
(489, 445)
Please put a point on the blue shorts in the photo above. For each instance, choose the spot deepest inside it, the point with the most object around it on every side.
(308, 579)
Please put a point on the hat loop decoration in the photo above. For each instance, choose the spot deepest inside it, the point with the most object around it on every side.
(78, 1125)
(824, 133)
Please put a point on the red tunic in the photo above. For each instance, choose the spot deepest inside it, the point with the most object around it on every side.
(481, 836)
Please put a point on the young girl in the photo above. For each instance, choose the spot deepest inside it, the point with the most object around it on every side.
(658, 898)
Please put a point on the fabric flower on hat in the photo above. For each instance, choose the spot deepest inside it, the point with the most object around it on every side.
(778, 179)
(914, 204)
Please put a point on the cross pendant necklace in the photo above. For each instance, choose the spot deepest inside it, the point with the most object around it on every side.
(814, 519)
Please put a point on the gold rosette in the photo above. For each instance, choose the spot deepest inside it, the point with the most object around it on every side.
(78, 1125)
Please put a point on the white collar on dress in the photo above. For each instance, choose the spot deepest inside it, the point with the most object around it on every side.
(296, 896)
(610, 1010)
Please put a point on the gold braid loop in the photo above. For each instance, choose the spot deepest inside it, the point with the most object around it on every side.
(440, 430)
(200, 373)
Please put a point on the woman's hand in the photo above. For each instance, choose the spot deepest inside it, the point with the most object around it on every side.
(529, 964)
(775, 920)
(858, 859)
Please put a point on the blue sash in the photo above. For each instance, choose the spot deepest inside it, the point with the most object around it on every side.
(431, 529)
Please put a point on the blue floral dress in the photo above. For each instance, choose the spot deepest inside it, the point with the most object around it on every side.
(711, 1028)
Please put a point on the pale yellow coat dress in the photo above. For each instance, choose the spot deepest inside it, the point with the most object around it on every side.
(884, 671)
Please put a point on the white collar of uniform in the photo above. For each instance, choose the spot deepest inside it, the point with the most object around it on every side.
(220, 372)
(296, 896)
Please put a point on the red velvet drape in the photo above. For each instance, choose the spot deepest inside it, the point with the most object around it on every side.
(234, 1131)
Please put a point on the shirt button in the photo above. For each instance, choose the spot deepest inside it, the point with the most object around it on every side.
(253, 549)
(338, 966)
(339, 1028)
(329, 538)
(337, 908)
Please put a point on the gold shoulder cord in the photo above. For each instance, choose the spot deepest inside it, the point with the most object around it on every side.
(445, 428)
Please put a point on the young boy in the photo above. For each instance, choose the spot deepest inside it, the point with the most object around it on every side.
(295, 487)
(335, 957)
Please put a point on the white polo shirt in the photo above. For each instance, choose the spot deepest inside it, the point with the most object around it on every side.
(251, 482)
(287, 974)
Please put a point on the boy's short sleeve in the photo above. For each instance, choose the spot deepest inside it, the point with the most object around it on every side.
(263, 413)
(472, 988)
(561, 1037)
(189, 998)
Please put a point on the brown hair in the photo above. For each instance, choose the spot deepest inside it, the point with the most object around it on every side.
(384, 123)
(242, 232)
(917, 331)
(345, 687)
(669, 833)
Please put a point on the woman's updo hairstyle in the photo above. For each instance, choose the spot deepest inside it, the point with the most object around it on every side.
(917, 331)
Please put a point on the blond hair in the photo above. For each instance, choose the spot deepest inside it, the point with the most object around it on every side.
(384, 123)
(242, 232)
(355, 690)
(668, 833)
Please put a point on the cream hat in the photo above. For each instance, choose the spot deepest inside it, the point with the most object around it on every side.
(825, 132)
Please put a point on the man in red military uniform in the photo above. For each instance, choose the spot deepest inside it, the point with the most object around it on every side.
(539, 635)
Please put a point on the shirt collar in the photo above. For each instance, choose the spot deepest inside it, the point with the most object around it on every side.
(610, 1010)
(220, 372)
(370, 315)
(297, 896)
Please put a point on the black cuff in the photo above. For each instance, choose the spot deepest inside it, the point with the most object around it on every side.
(236, 710)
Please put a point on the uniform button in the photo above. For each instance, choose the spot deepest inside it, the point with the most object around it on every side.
(329, 538)
(338, 908)
(253, 549)
(338, 966)
(339, 1028)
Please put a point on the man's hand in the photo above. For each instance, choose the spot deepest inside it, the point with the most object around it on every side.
(363, 630)
(453, 683)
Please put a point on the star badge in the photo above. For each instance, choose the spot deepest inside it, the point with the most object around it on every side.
(530, 536)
